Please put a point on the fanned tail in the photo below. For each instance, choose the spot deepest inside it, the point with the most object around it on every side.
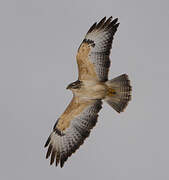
(119, 92)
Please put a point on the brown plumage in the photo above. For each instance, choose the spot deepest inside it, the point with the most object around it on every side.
(92, 86)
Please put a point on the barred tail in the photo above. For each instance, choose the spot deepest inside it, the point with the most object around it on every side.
(119, 92)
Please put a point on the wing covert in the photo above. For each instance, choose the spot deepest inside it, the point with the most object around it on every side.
(93, 54)
(69, 133)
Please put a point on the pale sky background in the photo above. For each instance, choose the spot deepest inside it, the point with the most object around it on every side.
(38, 45)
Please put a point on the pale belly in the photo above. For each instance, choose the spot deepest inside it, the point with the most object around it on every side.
(93, 90)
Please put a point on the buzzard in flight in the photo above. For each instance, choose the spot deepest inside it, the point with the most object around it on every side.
(92, 86)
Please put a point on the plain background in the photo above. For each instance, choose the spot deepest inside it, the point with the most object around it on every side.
(38, 44)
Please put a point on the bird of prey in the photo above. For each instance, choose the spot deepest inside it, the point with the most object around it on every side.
(91, 88)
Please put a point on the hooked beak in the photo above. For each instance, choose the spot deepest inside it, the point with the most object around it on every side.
(68, 87)
(74, 85)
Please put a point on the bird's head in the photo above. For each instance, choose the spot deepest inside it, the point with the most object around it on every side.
(75, 85)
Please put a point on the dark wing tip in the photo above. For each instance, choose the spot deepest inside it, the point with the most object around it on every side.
(101, 23)
(53, 155)
(62, 161)
(49, 151)
(57, 158)
(104, 24)
(113, 24)
(117, 24)
(92, 28)
(107, 22)
(47, 142)
(115, 20)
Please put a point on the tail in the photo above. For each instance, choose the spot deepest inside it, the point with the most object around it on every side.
(119, 92)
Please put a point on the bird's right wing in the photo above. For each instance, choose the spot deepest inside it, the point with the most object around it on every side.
(71, 129)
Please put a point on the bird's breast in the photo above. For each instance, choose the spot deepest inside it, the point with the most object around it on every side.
(93, 90)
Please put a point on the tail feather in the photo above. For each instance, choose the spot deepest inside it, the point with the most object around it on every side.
(119, 92)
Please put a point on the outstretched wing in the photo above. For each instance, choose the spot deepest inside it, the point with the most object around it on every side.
(71, 129)
(93, 54)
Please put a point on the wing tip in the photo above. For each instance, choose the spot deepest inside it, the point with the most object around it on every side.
(62, 161)
(104, 24)
(49, 151)
(47, 142)
(57, 151)
(53, 155)
(92, 28)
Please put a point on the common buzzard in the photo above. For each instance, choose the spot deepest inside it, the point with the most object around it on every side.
(92, 86)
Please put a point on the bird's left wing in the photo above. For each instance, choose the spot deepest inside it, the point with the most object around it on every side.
(71, 129)
(93, 54)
